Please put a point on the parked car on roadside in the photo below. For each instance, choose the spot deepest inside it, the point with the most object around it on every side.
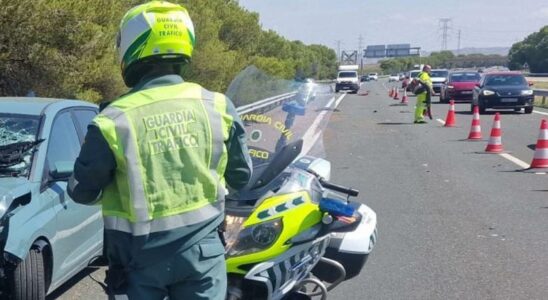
(45, 237)
(373, 76)
(503, 90)
(459, 86)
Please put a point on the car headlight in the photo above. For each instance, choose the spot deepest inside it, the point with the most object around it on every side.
(488, 93)
(527, 92)
(256, 237)
(450, 87)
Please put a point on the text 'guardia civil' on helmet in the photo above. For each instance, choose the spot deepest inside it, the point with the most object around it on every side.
(155, 31)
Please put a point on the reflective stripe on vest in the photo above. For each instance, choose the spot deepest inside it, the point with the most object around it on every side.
(170, 157)
(185, 219)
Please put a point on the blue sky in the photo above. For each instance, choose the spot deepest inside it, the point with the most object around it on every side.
(483, 23)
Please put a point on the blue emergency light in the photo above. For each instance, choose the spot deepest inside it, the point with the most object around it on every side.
(336, 207)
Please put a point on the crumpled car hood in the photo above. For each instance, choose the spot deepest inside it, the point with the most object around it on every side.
(12, 188)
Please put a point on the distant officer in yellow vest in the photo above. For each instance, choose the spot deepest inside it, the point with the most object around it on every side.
(423, 97)
(157, 160)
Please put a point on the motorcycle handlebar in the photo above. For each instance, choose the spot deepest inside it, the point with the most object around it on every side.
(339, 188)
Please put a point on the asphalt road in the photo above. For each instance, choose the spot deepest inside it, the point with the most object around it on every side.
(454, 223)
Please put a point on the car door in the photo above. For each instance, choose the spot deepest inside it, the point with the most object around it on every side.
(79, 228)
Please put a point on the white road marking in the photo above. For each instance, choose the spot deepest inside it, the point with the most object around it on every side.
(515, 160)
(338, 101)
(540, 112)
(311, 136)
(509, 157)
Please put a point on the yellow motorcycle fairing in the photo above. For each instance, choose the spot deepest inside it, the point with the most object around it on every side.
(297, 212)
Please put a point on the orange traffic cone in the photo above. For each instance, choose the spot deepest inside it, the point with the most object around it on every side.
(540, 159)
(495, 140)
(475, 129)
(391, 93)
(396, 96)
(450, 118)
(404, 98)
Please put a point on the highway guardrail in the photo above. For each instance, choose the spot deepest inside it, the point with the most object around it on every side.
(265, 104)
(543, 94)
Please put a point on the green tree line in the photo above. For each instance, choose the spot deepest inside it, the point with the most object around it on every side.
(65, 48)
(531, 52)
(443, 59)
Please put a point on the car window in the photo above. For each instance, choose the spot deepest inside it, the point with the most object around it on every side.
(439, 74)
(17, 131)
(465, 77)
(83, 118)
(498, 80)
(63, 144)
(348, 74)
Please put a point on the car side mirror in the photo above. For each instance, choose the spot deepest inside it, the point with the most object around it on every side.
(62, 170)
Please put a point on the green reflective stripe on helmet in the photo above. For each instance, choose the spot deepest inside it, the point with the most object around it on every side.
(132, 36)
(192, 37)
(162, 224)
(135, 50)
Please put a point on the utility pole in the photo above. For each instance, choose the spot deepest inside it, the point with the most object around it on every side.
(338, 50)
(360, 51)
(444, 26)
(458, 44)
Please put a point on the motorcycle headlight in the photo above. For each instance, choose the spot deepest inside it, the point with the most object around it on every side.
(488, 93)
(527, 92)
(256, 237)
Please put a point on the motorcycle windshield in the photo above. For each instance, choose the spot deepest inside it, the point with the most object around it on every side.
(283, 119)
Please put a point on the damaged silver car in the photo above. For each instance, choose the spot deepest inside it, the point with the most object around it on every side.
(45, 237)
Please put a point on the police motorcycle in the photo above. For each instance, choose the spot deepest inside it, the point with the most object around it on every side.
(290, 233)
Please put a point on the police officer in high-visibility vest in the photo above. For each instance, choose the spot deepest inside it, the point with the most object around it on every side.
(158, 160)
(425, 95)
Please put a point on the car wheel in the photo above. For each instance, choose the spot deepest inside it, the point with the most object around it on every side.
(529, 110)
(29, 279)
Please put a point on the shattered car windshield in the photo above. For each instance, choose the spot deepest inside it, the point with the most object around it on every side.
(17, 139)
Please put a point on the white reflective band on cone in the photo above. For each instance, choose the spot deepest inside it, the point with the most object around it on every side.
(541, 153)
